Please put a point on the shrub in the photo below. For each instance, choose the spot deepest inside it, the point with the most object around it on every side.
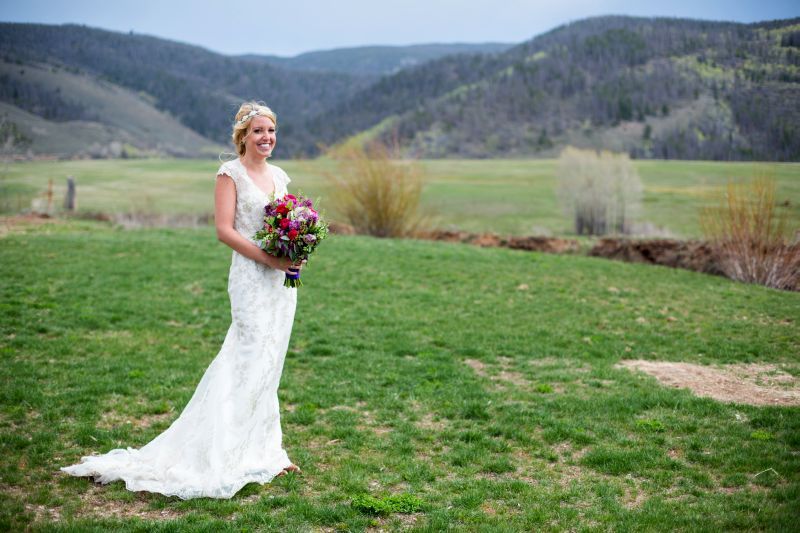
(600, 191)
(751, 236)
(376, 192)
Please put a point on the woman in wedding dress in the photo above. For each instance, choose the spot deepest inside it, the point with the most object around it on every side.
(229, 434)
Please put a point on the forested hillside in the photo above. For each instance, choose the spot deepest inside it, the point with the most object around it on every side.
(201, 89)
(664, 88)
(376, 60)
(655, 88)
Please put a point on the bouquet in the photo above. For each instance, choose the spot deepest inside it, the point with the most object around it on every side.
(293, 229)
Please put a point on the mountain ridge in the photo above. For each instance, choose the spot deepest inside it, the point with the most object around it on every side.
(376, 60)
(577, 82)
(652, 87)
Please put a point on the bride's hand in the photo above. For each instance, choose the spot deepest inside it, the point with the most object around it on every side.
(284, 263)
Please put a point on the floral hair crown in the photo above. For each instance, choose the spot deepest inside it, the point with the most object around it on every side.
(247, 117)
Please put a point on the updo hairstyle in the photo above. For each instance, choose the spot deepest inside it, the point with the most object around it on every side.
(240, 130)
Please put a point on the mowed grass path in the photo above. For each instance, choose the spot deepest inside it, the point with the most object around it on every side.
(415, 368)
(502, 196)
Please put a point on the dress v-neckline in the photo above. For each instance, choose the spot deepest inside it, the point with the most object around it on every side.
(253, 182)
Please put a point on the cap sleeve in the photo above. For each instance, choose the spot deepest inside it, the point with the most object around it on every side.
(229, 169)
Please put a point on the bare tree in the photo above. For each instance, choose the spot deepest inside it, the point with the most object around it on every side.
(600, 191)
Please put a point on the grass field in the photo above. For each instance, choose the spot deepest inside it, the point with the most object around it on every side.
(503, 196)
(479, 381)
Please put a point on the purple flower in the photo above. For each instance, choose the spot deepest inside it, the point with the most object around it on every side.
(309, 238)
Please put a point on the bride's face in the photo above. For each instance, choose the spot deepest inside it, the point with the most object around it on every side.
(262, 137)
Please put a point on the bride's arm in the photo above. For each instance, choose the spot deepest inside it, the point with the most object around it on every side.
(224, 211)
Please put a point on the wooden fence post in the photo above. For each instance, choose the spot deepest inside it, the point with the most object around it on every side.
(69, 197)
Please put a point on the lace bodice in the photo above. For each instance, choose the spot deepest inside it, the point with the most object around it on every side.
(250, 199)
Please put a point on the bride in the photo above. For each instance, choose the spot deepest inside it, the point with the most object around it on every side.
(229, 434)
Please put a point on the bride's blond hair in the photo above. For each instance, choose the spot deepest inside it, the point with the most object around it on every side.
(241, 124)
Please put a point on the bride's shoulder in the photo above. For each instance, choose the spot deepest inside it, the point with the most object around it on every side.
(280, 172)
(229, 168)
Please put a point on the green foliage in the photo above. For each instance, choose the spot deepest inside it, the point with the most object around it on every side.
(394, 503)
(760, 434)
(650, 424)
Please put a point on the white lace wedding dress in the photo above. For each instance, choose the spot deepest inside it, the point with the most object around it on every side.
(229, 434)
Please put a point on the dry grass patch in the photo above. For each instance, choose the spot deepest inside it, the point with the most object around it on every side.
(428, 422)
(397, 522)
(502, 377)
(16, 224)
(94, 505)
(118, 413)
(573, 365)
(633, 496)
(753, 384)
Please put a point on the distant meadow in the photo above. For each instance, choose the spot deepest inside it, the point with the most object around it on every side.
(513, 197)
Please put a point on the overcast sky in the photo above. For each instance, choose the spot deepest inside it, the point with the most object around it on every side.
(289, 27)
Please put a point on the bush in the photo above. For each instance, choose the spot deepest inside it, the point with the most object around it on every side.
(375, 192)
(751, 237)
(600, 191)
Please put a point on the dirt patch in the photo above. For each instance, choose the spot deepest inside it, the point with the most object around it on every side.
(551, 245)
(111, 420)
(117, 413)
(633, 497)
(504, 376)
(430, 423)
(478, 366)
(691, 255)
(95, 506)
(397, 522)
(561, 363)
(753, 384)
(23, 223)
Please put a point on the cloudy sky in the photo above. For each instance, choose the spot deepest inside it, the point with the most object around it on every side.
(289, 27)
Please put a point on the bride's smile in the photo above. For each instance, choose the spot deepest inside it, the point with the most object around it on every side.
(262, 137)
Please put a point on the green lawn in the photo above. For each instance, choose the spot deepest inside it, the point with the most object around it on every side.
(416, 368)
(503, 196)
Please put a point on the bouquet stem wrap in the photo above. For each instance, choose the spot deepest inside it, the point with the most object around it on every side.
(293, 278)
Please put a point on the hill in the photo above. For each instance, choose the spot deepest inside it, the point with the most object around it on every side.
(664, 88)
(73, 114)
(377, 60)
(197, 87)
(652, 87)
